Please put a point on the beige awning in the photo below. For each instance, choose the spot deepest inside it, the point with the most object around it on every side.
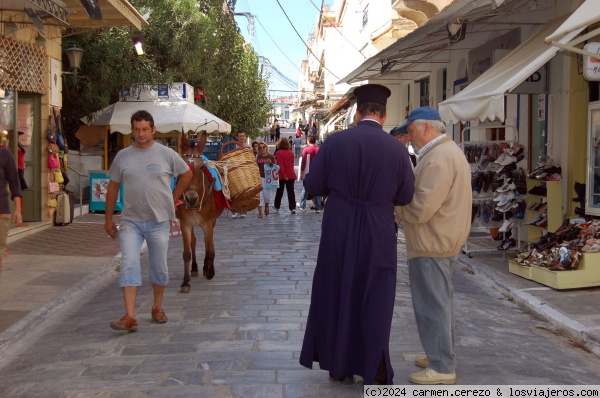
(114, 13)
(587, 14)
(484, 97)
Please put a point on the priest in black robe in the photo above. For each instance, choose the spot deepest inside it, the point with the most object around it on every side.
(364, 172)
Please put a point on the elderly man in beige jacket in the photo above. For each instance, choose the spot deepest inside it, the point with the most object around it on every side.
(436, 226)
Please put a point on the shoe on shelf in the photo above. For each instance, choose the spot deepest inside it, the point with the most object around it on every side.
(579, 189)
(126, 323)
(507, 225)
(422, 361)
(508, 186)
(508, 160)
(474, 211)
(508, 207)
(505, 198)
(430, 376)
(502, 236)
(507, 244)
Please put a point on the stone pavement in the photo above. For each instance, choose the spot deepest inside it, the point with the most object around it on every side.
(239, 335)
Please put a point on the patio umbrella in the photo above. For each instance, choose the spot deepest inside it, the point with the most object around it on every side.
(168, 116)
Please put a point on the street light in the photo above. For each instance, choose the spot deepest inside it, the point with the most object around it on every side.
(74, 55)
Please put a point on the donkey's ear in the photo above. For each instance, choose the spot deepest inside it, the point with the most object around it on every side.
(202, 142)
(185, 144)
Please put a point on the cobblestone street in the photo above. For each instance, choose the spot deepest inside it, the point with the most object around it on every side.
(239, 335)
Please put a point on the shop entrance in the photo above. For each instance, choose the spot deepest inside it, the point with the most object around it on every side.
(29, 123)
(23, 130)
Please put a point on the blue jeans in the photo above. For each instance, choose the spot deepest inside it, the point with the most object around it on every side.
(433, 303)
(131, 236)
(304, 196)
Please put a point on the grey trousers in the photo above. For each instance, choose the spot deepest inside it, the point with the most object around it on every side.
(433, 303)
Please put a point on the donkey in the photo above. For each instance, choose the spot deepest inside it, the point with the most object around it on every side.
(199, 208)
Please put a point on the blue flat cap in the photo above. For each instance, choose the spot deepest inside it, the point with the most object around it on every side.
(422, 113)
(399, 130)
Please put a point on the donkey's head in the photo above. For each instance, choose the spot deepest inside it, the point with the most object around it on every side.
(191, 152)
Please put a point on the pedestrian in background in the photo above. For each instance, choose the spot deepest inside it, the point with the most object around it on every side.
(264, 157)
(436, 225)
(402, 136)
(277, 131)
(309, 152)
(272, 132)
(9, 177)
(298, 146)
(365, 172)
(21, 151)
(255, 148)
(146, 169)
(287, 175)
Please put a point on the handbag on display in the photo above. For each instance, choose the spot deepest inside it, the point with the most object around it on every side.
(53, 186)
(271, 176)
(53, 162)
(58, 177)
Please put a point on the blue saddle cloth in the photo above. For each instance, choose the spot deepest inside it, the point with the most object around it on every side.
(214, 173)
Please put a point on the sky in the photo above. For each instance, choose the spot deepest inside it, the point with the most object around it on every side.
(275, 38)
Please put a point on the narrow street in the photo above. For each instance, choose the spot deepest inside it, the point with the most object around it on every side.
(239, 335)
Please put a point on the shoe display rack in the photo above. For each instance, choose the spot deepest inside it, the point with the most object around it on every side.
(497, 184)
(544, 207)
(587, 274)
(542, 261)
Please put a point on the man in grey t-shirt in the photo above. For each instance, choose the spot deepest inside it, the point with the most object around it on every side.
(146, 169)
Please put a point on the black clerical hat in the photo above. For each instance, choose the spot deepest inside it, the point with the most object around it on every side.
(372, 93)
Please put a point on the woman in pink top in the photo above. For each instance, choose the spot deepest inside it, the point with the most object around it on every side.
(287, 175)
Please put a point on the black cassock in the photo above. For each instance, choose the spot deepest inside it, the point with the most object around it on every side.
(364, 172)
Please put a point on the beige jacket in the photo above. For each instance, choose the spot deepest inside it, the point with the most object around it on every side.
(438, 220)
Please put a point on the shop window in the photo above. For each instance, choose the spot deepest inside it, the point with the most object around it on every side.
(424, 92)
(594, 91)
(444, 83)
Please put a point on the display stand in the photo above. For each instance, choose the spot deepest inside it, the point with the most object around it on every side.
(588, 272)
(552, 210)
(479, 240)
(587, 275)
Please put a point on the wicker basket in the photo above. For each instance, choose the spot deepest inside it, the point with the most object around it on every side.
(247, 204)
(243, 175)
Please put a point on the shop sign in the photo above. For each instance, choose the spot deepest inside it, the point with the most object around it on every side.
(160, 92)
(591, 66)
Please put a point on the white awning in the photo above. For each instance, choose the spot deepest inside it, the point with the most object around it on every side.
(587, 14)
(484, 98)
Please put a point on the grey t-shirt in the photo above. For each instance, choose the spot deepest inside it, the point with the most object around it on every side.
(147, 174)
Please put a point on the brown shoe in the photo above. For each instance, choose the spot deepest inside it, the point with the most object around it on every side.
(159, 316)
(126, 323)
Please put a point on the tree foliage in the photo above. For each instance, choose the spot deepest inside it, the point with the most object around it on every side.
(193, 41)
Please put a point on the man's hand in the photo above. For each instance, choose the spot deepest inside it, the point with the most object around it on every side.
(111, 228)
(17, 217)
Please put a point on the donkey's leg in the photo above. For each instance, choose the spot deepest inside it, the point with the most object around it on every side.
(209, 250)
(186, 233)
(193, 247)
